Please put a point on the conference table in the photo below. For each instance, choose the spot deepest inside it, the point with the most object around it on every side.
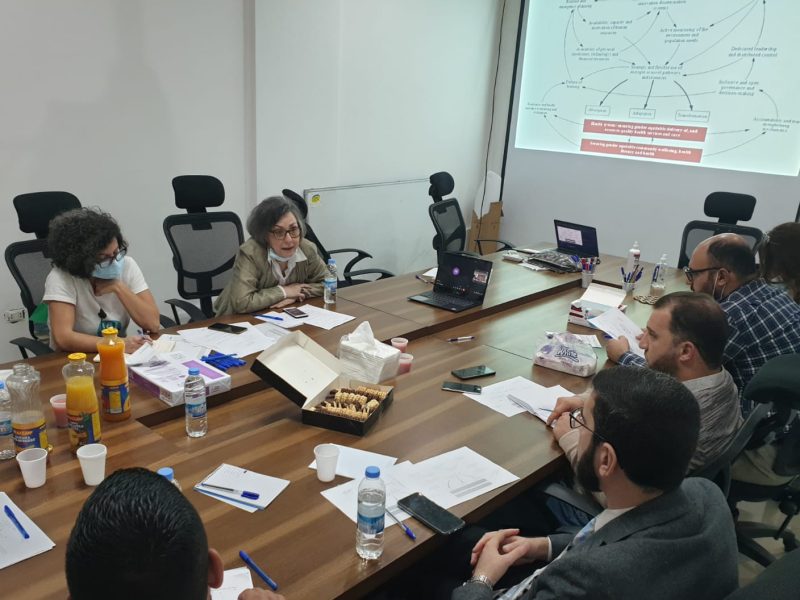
(304, 542)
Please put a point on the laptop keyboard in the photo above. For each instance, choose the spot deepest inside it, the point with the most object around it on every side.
(442, 298)
(557, 260)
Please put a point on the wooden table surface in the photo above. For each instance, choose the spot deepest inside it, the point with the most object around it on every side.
(302, 540)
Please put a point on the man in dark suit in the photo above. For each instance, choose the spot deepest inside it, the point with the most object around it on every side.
(660, 537)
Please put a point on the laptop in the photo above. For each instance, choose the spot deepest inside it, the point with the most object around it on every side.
(461, 283)
(572, 240)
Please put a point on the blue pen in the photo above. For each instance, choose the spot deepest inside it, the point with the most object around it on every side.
(17, 524)
(249, 562)
(242, 493)
(655, 273)
(405, 527)
(271, 317)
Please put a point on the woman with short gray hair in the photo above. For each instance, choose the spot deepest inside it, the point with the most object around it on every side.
(277, 266)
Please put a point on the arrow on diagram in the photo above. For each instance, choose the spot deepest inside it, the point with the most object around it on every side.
(652, 81)
(691, 107)
(611, 90)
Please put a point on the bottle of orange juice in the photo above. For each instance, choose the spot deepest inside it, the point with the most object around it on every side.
(113, 376)
(83, 415)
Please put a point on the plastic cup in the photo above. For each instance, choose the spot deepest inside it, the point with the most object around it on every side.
(400, 343)
(59, 404)
(405, 363)
(33, 464)
(327, 456)
(93, 463)
(586, 278)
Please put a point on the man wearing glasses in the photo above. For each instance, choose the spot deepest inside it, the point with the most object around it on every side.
(660, 537)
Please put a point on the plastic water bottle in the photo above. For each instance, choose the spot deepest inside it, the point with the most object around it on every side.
(168, 474)
(331, 281)
(658, 284)
(6, 430)
(371, 512)
(194, 396)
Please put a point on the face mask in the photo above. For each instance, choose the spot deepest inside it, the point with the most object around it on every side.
(112, 271)
(283, 259)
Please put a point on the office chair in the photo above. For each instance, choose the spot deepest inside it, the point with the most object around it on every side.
(445, 214)
(778, 383)
(779, 581)
(347, 276)
(729, 208)
(204, 244)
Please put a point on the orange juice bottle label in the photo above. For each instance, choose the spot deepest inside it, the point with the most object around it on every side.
(115, 398)
(30, 435)
(84, 428)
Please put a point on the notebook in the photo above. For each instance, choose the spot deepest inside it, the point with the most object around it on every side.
(461, 283)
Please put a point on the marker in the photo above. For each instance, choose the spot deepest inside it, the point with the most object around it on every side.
(249, 562)
(463, 338)
(242, 493)
(405, 527)
(17, 524)
(270, 317)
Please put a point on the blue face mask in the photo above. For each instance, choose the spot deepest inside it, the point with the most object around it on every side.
(274, 256)
(112, 271)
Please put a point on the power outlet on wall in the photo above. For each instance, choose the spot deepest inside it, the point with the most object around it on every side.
(15, 315)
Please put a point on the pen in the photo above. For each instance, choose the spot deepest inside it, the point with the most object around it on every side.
(145, 334)
(17, 524)
(405, 527)
(271, 317)
(463, 338)
(249, 562)
(242, 493)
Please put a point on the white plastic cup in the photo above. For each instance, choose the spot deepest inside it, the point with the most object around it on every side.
(400, 343)
(405, 363)
(33, 464)
(586, 278)
(93, 463)
(327, 455)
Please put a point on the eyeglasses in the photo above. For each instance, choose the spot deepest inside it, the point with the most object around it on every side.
(690, 273)
(107, 261)
(576, 420)
(279, 234)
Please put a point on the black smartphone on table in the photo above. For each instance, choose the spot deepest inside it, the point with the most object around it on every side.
(227, 328)
(454, 386)
(473, 372)
(430, 514)
(295, 313)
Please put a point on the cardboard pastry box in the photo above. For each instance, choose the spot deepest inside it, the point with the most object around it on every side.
(305, 372)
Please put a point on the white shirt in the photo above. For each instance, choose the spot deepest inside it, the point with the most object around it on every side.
(60, 286)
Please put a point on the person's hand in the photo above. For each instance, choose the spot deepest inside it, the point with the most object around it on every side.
(284, 302)
(536, 549)
(259, 594)
(101, 287)
(616, 348)
(564, 404)
(561, 427)
(489, 558)
(299, 291)
(134, 342)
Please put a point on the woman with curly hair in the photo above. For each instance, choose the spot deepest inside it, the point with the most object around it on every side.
(778, 254)
(277, 266)
(93, 284)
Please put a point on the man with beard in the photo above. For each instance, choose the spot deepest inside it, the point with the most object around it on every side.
(660, 537)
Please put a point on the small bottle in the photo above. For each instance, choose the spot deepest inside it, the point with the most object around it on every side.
(6, 430)
(658, 284)
(27, 415)
(371, 512)
(113, 376)
(194, 396)
(331, 281)
(83, 413)
(169, 475)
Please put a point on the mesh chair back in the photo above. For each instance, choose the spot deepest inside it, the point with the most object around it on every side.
(451, 232)
(29, 265)
(37, 209)
(697, 231)
(204, 247)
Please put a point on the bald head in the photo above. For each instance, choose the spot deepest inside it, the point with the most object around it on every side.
(724, 262)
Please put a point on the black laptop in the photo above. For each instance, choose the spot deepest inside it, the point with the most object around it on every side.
(573, 240)
(460, 284)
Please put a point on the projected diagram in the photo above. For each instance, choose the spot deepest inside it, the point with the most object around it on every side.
(700, 82)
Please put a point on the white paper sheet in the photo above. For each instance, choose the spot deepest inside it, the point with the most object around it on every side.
(590, 339)
(234, 582)
(280, 319)
(242, 344)
(531, 267)
(324, 318)
(495, 396)
(268, 488)
(14, 547)
(352, 462)
(616, 324)
(539, 402)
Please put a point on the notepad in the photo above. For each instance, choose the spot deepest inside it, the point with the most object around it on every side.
(234, 582)
(268, 488)
(14, 547)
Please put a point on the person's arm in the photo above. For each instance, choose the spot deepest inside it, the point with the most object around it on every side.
(568, 439)
(245, 295)
(140, 307)
(66, 339)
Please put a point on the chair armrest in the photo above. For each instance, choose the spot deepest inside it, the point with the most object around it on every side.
(506, 245)
(194, 312)
(384, 274)
(573, 498)
(360, 255)
(36, 347)
(166, 322)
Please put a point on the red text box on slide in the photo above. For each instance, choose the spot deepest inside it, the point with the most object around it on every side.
(647, 130)
(654, 152)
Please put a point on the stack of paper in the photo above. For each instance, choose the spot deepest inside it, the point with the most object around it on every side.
(318, 317)
(14, 545)
(616, 324)
(241, 344)
(234, 582)
(238, 481)
(539, 402)
(499, 397)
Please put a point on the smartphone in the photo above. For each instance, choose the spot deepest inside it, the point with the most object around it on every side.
(295, 313)
(454, 386)
(431, 514)
(227, 328)
(473, 372)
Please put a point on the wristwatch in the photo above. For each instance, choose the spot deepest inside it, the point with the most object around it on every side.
(482, 579)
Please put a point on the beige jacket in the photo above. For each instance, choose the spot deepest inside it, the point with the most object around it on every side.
(253, 285)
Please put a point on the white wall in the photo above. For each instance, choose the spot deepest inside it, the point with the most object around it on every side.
(110, 99)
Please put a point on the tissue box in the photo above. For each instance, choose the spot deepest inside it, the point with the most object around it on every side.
(164, 377)
(305, 372)
(365, 358)
(596, 300)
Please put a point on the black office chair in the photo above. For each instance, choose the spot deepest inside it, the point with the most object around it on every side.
(29, 263)
(729, 208)
(347, 276)
(204, 244)
(778, 383)
(445, 214)
(779, 581)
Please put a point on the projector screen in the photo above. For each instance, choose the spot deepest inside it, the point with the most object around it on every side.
(702, 83)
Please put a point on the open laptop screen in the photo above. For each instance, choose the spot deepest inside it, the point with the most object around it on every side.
(463, 276)
(576, 239)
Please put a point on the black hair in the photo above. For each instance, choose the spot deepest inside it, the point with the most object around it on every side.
(778, 254)
(77, 236)
(266, 215)
(652, 421)
(137, 537)
(699, 319)
(734, 255)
